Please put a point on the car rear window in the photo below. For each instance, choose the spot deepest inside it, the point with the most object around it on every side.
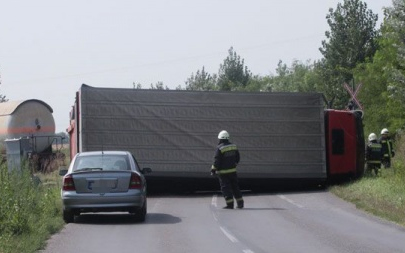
(102, 162)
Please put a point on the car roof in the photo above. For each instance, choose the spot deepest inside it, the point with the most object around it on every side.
(105, 152)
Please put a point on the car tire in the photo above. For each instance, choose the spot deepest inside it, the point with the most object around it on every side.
(68, 216)
(140, 215)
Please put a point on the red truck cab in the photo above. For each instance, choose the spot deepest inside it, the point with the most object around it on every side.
(345, 146)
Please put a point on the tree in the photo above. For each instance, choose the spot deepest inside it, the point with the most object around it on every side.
(136, 85)
(65, 137)
(394, 31)
(233, 75)
(296, 78)
(158, 86)
(351, 40)
(383, 78)
(259, 83)
(202, 81)
(2, 97)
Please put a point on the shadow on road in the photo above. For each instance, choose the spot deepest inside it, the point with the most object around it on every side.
(125, 219)
(161, 218)
(262, 209)
(251, 189)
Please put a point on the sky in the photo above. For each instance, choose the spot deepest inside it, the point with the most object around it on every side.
(49, 48)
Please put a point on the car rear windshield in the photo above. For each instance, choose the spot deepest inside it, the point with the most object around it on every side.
(101, 162)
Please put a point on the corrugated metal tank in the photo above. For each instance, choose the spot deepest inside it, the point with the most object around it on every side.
(32, 118)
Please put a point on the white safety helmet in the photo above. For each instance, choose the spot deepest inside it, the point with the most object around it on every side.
(223, 135)
(385, 131)
(372, 137)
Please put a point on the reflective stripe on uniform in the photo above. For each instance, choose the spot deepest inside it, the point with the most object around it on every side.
(226, 171)
(376, 145)
(375, 150)
(387, 143)
(227, 148)
(389, 148)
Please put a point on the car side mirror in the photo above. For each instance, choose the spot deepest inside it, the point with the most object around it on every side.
(62, 170)
(146, 170)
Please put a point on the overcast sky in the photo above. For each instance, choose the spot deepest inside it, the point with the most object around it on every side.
(49, 48)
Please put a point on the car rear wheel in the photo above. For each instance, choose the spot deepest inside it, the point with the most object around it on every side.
(140, 215)
(68, 216)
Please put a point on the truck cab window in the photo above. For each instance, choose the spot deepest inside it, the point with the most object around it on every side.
(338, 141)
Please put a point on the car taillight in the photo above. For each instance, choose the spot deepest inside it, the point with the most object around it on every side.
(135, 182)
(68, 184)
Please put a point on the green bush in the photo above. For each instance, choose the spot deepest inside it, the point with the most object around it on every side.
(29, 211)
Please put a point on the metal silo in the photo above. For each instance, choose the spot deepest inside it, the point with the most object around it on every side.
(28, 118)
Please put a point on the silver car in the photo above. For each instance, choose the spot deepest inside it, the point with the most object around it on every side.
(104, 181)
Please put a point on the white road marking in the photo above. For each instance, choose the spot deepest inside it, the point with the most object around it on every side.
(214, 201)
(229, 235)
(247, 251)
(226, 233)
(215, 217)
(290, 201)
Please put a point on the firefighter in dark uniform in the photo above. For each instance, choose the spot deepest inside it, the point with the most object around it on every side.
(225, 161)
(387, 148)
(373, 154)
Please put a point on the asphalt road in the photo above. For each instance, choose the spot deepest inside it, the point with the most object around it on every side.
(290, 222)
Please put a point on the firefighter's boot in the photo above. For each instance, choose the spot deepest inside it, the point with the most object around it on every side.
(229, 203)
(240, 204)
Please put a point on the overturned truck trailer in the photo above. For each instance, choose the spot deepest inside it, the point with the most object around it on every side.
(174, 132)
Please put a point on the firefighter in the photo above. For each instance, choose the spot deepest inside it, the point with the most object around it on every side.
(387, 148)
(225, 161)
(373, 154)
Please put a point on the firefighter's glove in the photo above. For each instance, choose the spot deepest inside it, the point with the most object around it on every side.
(213, 172)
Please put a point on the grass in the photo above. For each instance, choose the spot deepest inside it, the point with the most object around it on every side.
(382, 195)
(29, 212)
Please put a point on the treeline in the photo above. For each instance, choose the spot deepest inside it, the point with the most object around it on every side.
(355, 51)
